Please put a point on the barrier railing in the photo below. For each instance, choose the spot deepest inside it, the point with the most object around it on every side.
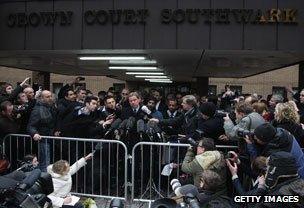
(107, 175)
(104, 176)
(148, 160)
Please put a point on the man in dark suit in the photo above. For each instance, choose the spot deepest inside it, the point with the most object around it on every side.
(172, 112)
(189, 118)
(136, 109)
(160, 104)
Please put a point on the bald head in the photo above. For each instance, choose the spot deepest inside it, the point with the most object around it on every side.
(47, 97)
(29, 92)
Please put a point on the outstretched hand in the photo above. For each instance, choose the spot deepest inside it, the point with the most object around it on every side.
(88, 157)
(232, 167)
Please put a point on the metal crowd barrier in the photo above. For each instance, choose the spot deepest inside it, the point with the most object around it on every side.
(105, 176)
(109, 173)
(148, 160)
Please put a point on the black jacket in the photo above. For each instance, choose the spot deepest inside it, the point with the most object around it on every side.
(64, 109)
(189, 121)
(128, 112)
(82, 126)
(11, 97)
(295, 129)
(162, 107)
(172, 129)
(281, 142)
(300, 106)
(212, 127)
(104, 112)
(215, 200)
(8, 126)
(290, 187)
(42, 120)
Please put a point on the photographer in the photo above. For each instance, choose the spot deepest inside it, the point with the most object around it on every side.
(211, 125)
(268, 140)
(246, 119)
(110, 108)
(211, 193)
(258, 169)
(8, 93)
(25, 189)
(206, 158)
(8, 123)
(282, 179)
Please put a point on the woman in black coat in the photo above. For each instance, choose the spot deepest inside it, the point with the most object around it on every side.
(287, 117)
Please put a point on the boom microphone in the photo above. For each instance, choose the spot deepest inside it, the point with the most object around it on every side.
(140, 127)
(115, 125)
(130, 124)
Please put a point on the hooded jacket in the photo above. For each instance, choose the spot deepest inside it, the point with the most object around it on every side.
(63, 183)
(209, 160)
(282, 141)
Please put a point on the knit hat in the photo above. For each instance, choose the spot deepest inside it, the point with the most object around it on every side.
(208, 109)
(265, 132)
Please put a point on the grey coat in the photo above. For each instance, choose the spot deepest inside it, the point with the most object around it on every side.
(249, 122)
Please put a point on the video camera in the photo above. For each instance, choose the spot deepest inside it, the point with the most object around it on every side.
(244, 133)
(194, 138)
(14, 193)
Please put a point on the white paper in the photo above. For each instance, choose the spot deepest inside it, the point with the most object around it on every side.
(75, 199)
(167, 169)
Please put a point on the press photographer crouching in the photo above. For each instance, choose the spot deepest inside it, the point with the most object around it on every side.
(282, 180)
(268, 140)
(208, 194)
(21, 189)
(205, 158)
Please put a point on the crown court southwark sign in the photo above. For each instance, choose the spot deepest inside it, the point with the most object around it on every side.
(167, 16)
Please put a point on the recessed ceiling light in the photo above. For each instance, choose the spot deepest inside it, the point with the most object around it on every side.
(162, 81)
(133, 67)
(158, 79)
(89, 58)
(132, 62)
(145, 73)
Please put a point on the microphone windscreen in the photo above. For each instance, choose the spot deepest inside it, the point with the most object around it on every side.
(140, 126)
(130, 123)
(123, 124)
(116, 124)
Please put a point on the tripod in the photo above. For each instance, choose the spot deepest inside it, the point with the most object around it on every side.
(151, 183)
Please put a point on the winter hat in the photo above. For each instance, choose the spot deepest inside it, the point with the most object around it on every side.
(265, 132)
(281, 165)
(208, 109)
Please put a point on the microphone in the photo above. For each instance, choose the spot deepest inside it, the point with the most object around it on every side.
(115, 125)
(130, 123)
(120, 130)
(97, 147)
(140, 127)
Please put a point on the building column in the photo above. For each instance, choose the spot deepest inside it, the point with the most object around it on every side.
(301, 76)
(41, 79)
(201, 86)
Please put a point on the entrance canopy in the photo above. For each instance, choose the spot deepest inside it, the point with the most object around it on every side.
(179, 65)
